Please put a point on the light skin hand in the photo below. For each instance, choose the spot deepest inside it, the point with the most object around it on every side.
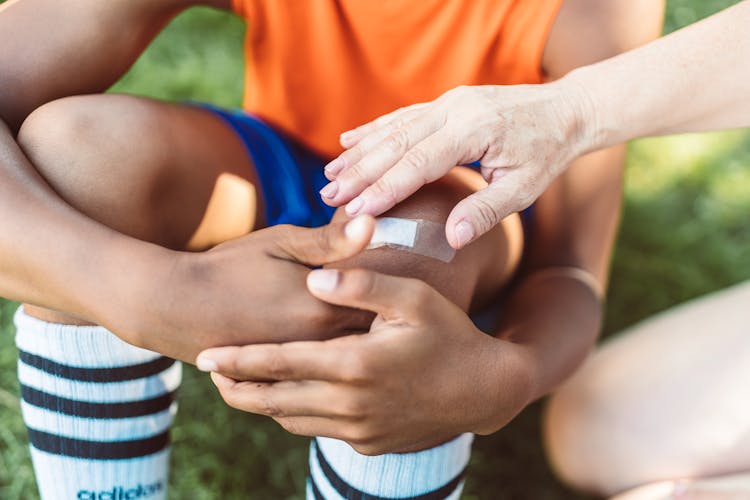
(523, 136)
(252, 289)
(384, 391)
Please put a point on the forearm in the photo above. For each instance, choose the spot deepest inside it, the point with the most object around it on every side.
(55, 49)
(692, 80)
(556, 317)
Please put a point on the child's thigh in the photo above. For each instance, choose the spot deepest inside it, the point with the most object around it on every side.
(477, 272)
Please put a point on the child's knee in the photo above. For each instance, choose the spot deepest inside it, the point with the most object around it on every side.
(79, 146)
(462, 279)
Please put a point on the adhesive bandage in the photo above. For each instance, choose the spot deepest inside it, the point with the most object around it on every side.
(422, 237)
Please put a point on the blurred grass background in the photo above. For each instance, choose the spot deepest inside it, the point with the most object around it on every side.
(684, 233)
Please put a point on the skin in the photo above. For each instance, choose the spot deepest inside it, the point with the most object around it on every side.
(525, 136)
(661, 415)
(549, 326)
(142, 207)
(40, 265)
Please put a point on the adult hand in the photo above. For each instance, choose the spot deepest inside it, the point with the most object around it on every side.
(523, 136)
(423, 373)
(252, 290)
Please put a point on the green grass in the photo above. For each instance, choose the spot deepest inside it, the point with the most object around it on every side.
(684, 233)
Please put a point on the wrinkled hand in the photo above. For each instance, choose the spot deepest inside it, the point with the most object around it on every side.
(252, 289)
(422, 375)
(523, 136)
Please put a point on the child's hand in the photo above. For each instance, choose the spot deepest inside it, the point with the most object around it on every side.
(252, 290)
(422, 374)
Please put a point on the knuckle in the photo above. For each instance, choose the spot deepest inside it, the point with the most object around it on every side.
(356, 368)
(352, 407)
(325, 240)
(362, 283)
(397, 141)
(416, 159)
(268, 406)
(420, 293)
(355, 176)
(385, 190)
(276, 365)
(486, 215)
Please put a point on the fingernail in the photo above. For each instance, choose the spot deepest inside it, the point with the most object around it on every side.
(346, 138)
(206, 365)
(330, 190)
(334, 167)
(464, 233)
(356, 228)
(354, 206)
(323, 280)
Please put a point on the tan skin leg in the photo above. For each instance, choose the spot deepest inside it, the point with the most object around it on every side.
(179, 177)
(663, 401)
(172, 175)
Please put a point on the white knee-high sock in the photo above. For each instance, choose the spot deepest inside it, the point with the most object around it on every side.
(98, 411)
(338, 472)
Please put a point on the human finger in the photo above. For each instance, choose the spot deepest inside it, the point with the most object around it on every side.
(426, 162)
(351, 137)
(397, 146)
(392, 297)
(279, 399)
(481, 211)
(311, 360)
(325, 244)
(369, 140)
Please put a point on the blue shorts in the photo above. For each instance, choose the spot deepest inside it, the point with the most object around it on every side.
(289, 174)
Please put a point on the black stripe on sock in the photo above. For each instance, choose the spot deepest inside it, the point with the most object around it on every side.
(315, 491)
(85, 409)
(115, 374)
(97, 450)
(351, 493)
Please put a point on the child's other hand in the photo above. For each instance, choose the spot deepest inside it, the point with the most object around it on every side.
(252, 290)
(422, 374)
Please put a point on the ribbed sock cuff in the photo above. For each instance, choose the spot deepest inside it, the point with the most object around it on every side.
(337, 471)
(98, 411)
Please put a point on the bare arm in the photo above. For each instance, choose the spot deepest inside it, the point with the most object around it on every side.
(693, 80)
(50, 254)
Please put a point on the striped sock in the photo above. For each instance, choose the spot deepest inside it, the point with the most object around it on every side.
(98, 412)
(338, 472)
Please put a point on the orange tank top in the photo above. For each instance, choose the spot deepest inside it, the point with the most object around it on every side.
(316, 68)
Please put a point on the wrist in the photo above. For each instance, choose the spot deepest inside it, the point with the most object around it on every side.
(513, 381)
(131, 289)
(588, 130)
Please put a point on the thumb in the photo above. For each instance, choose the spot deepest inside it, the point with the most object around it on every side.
(392, 297)
(483, 210)
(326, 244)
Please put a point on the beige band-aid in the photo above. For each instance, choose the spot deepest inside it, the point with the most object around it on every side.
(422, 237)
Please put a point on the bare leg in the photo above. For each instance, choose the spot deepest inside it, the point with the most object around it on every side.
(172, 175)
(665, 400)
(169, 174)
